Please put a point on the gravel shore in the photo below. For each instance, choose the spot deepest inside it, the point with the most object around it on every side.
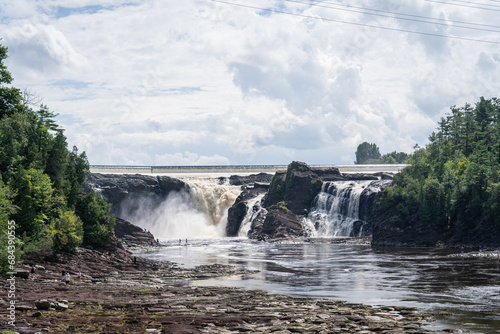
(116, 295)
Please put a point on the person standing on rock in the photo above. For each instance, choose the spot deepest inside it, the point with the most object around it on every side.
(32, 271)
(67, 278)
(79, 276)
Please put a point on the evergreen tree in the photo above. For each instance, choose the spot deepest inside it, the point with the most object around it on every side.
(40, 180)
(454, 180)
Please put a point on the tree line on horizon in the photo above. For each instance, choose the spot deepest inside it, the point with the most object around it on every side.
(40, 182)
(369, 153)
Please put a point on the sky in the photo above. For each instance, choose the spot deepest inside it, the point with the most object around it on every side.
(248, 82)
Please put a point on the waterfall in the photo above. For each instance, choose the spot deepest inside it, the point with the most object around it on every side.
(336, 210)
(200, 212)
(254, 209)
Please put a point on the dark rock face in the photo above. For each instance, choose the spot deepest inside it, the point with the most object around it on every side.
(288, 200)
(131, 235)
(297, 188)
(281, 223)
(238, 211)
(291, 194)
(117, 187)
(368, 200)
(262, 178)
(328, 174)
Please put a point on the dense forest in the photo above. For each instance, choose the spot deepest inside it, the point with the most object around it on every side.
(450, 193)
(40, 181)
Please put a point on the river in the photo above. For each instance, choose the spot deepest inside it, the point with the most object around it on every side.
(459, 292)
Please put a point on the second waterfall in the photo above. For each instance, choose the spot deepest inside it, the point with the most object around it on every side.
(342, 208)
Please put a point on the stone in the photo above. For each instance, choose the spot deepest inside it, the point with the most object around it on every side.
(22, 274)
(42, 304)
(37, 314)
(60, 306)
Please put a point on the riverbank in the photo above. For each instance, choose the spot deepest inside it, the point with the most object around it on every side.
(117, 295)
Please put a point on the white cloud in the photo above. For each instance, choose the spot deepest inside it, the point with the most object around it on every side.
(200, 82)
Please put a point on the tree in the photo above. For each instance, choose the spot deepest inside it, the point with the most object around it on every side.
(367, 153)
(10, 97)
(6, 209)
(98, 226)
(34, 192)
(454, 180)
(67, 231)
(40, 180)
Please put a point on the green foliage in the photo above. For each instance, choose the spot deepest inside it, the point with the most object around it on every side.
(67, 231)
(34, 191)
(40, 180)
(6, 209)
(35, 249)
(276, 191)
(367, 153)
(395, 158)
(283, 205)
(451, 187)
(98, 227)
(78, 167)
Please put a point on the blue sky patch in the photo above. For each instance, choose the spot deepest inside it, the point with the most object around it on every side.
(66, 11)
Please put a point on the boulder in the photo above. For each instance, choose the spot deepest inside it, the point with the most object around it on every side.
(37, 314)
(281, 223)
(296, 188)
(22, 273)
(42, 304)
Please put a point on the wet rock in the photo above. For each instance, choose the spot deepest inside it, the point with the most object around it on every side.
(238, 211)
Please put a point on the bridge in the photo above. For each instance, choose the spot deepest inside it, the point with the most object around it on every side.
(217, 171)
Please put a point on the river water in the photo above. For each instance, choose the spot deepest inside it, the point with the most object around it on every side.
(459, 292)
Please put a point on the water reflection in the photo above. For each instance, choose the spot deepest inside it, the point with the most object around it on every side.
(460, 292)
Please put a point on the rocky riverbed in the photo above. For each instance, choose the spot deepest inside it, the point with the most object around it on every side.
(117, 295)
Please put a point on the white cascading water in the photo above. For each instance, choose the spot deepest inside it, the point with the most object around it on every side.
(200, 212)
(335, 209)
(254, 208)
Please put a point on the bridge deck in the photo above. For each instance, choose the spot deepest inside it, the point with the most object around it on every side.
(216, 171)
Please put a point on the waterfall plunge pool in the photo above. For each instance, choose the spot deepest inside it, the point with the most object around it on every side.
(459, 292)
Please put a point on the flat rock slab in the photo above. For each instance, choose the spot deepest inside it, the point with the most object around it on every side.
(148, 296)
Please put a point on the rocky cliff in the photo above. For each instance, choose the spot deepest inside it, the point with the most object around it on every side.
(117, 188)
(290, 197)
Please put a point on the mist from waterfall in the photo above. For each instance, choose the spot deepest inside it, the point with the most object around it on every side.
(335, 210)
(200, 212)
